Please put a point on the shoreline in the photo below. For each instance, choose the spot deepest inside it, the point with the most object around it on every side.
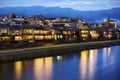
(36, 52)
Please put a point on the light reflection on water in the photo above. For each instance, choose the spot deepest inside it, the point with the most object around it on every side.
(83, 64)
(92, 62)
(43, 68)
(18, 70)
(95, 64)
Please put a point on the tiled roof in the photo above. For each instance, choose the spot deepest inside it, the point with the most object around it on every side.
(15, 27)
(3, 26)
(18, 22)
(58, 25)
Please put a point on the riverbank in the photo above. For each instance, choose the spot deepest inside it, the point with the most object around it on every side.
(35, 52)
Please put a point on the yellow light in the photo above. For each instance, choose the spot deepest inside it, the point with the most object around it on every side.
(83, 64)
(39, 37)
(36, 31)
(28, 37)
(65, 32)
(84, 31)
(18, 38)
(59, 58)
(18, 70)
(92, 61)
(43, 67)
(5, 38)
(109, 50)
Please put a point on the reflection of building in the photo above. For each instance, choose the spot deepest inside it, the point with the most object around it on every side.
(18, 70)
(92, 61)
(43, 67)
(84, 64)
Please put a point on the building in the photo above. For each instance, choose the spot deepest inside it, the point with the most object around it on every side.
(15, 33)
(4, 32)
(42, 33)
(111, 23)
(84, 31)
(16, 23)
(27, 33)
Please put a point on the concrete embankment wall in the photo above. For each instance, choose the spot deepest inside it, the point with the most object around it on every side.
(36, 52)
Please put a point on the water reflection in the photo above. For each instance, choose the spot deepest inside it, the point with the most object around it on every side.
(88, 62)
(109, 51)
(106, 51)
(94, 64)
(43, 68)
(92, 61)
(59, 58)
(83, 64)
(4, 67)
(107, 58)
(18, 70)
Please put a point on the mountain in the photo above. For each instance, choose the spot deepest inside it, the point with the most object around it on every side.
(49, 12)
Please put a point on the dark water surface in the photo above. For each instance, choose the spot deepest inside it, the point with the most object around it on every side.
(95, 64)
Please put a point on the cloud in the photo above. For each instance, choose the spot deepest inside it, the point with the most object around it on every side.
(75, 4)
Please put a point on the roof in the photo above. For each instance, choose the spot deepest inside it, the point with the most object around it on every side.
(55, 28)
(15, 27)
(113, 30)
(40, 28)
(83, 27)
(27, 27)
(112, 21)
(58, 25)
(18, 22)
(105, 28)
(3, 26)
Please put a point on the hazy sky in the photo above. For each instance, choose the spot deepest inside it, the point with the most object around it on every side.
(75, 4)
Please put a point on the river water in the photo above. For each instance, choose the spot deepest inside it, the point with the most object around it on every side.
(94, 64)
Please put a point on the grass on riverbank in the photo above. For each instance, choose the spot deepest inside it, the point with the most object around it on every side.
(17, 45)
(35, 52)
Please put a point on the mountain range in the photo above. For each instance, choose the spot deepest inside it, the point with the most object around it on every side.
(52, 12)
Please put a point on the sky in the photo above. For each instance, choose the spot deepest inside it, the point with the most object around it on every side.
(74, 4)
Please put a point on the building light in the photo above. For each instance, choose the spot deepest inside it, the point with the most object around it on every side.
(39, 37)
(18, 38)
(65, 32)
(84, 31)
(59, 58)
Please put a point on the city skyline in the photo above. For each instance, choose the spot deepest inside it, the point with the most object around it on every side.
(78, 4)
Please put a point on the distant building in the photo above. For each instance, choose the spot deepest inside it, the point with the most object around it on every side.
(16, 23)
(10, 16)
(62, 19)
(111, 23)
(4, 32)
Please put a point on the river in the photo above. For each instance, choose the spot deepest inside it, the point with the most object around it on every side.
(94, 64)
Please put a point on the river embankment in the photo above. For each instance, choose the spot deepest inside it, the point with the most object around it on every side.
(35, 52)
